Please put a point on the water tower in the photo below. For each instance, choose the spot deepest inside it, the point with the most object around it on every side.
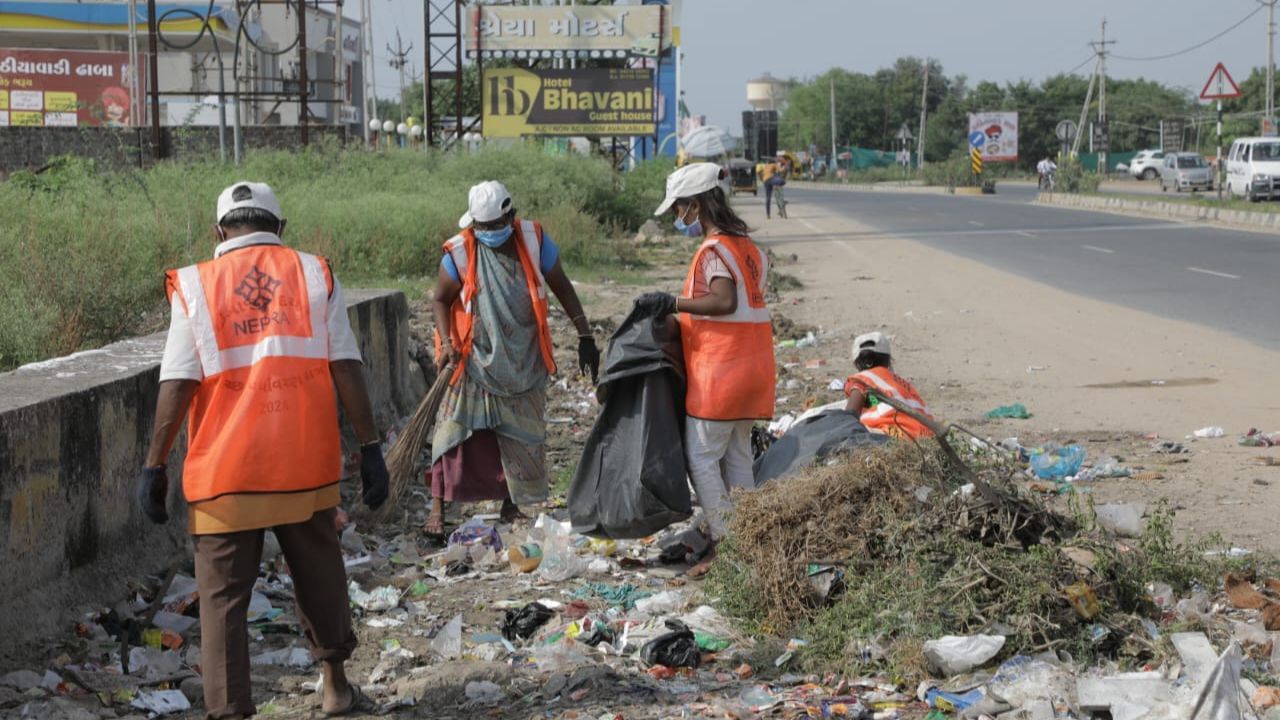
(765, 93)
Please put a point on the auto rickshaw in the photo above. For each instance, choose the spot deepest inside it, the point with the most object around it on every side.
(743, 174)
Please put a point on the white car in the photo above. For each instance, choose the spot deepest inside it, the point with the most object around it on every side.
(1146, 164)
(1253, 168)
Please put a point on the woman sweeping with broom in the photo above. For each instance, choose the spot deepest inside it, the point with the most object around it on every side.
(494, 340)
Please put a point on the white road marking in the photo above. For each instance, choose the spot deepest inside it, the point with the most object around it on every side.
(975, 223)
(1026, 234)
(1095, 248)
(1214, 273)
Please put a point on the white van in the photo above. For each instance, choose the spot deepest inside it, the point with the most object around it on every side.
(1253, 168)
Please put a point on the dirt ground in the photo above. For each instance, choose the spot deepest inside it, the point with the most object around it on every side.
(973, 338)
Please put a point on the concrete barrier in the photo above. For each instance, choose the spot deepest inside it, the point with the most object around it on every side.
(73, 435)
(910, 186)
(1166, 210)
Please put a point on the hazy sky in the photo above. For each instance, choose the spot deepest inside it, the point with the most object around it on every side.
(728, 42)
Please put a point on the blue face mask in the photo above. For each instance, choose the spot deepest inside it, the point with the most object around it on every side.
(693, 231)
(495, 238)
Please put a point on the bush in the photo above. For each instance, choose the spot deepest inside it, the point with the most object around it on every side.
(951, 173)
(1074, 178)
(82, 252)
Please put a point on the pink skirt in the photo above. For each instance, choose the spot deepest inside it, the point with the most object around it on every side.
(471, 472)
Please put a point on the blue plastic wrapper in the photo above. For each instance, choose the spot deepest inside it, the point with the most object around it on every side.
(477, 532)
(1052, 462)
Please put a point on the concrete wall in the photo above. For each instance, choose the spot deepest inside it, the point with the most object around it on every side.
(73, 435)
(121, 148)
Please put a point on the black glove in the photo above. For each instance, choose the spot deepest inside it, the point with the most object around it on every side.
(656, 304)
(588, 357)
(374, 475)
(153, 494)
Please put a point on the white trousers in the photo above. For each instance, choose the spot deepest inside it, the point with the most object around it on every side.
(719, 456)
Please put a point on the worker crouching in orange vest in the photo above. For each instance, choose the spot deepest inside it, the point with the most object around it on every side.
(258, 342)
(727, 339)
(875, 377)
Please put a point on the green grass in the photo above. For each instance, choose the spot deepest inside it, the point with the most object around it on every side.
(82, 251)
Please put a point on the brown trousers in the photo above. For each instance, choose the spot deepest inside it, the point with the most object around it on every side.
(226, 569)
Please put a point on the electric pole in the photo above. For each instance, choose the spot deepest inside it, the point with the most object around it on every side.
(1100, 48)
(1270, 106)
(400, 58)
(924, 114)
(833, 125)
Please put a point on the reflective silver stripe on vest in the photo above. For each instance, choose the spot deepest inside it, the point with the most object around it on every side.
(891, 391)
(214, 360)
(744, 313)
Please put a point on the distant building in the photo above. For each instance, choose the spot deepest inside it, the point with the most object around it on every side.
(64, 62)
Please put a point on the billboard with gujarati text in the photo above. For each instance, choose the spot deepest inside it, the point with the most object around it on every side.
(63, 88)
(999, 133)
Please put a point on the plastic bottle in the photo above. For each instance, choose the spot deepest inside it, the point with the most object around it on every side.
(525, 558)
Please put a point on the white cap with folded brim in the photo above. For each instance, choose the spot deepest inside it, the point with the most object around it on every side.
(872, 342)
(261, 197)
(688, 181)
(486, 202)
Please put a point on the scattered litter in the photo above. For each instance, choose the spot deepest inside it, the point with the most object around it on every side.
(1016, 411)
(448, 642)
(836, 384)
(678, 648)
(1053, 462)
(484, 692)
(1168, 447)
(379, 600)
(1121, 519)
(290, 657)
(955, 655)
(476, 532)
(161, 702)
(523, 623)
(1213, 431)
(1257, 438)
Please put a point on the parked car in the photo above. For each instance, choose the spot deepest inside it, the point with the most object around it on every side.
(1146, 164)
(1253, 168)
(1185, 171)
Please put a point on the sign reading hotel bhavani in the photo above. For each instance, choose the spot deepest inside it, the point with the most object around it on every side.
(599, 102)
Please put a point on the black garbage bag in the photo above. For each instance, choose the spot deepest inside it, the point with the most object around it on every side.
(690, 546)
(631, 481)
(812, 440)
(523, 623)
(677, 648)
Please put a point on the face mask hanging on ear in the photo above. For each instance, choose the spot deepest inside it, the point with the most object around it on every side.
(495, 238)
(693, 231)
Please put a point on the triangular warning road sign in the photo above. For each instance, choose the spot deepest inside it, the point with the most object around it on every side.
(1220, 85)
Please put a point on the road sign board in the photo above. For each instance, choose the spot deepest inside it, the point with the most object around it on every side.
(977, 139)
(1220, 85)
(1066, 130)
(1171, 136)
(1101, 137)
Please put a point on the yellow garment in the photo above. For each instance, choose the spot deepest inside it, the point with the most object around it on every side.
(251, 511)
(770, 169)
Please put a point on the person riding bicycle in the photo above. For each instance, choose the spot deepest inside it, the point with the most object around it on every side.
(774, 175)
(1046, 169)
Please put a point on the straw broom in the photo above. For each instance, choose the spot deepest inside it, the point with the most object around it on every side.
(402, 458)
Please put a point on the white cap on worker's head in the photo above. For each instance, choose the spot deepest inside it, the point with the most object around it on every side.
(246, 194)
(871, 342)
(690, 180)
(486, 202)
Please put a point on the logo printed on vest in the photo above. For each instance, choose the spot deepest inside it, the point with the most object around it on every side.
(258, 289)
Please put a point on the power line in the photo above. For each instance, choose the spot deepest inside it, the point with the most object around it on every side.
(1197, 46)
(1086, 61)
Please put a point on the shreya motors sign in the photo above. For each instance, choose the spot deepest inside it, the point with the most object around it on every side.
(594, 102)
(521, 31)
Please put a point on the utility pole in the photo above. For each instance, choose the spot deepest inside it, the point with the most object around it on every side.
(1084, 114)
(1270, 106)
(833, 124)
(399, 58)
(924, 113)
(1100, 48)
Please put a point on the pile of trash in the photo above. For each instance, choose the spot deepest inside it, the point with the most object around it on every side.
(868, 559)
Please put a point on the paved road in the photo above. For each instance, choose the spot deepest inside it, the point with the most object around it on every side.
(1196, 273)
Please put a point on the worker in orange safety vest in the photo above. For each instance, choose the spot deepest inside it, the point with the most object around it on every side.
(727, 338)
(258, 343)
(875, 377)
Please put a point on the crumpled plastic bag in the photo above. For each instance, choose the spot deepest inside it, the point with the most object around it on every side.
(477, 532)
(448, 642)
(524, 622)
(953, 655)
(560, 561)
(678, 648)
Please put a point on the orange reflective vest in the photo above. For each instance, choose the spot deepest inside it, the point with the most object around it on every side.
(881, 417)
(265, 418)
(462, 247)
(729, 358)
